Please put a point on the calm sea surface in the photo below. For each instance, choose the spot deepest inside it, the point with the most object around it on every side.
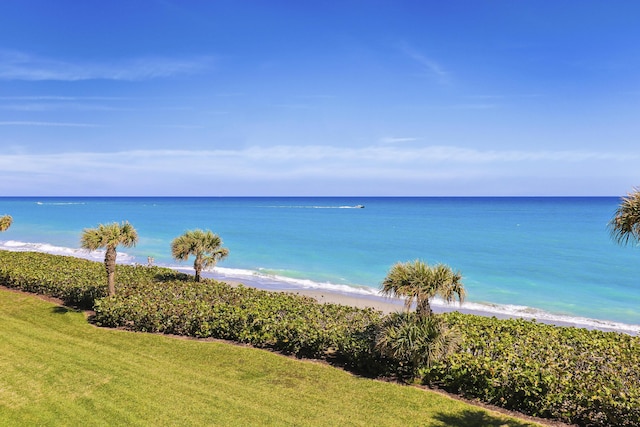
(547, 256)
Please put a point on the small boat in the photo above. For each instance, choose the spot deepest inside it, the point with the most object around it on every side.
(359, 206)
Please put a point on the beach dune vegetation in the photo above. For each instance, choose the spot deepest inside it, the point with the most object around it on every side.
(625, 224)
(109, 236)
(5, 222)
(418, 282)
(206, 246)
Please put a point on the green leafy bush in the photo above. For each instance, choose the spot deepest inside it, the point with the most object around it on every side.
(286, 322)
(76, 281)
(590, 378)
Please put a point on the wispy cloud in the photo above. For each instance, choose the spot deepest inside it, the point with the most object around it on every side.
(318, 96)
(23, 66)
(428, 65)
(89, 103)
(397, 140)
(54, 124)
(485, 106)
(314, 157)
(294, 106)
(160, 171)
(63, 98)
(58, 106)
(186, 127)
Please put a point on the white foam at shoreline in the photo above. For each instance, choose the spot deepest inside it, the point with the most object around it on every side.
(520, 311)
(313, 207)
(504, 311)
(271, 281)
(257, 277)
(16, 246)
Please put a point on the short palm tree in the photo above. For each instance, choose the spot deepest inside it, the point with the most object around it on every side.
(625, 224)
(415, 342)
(418, 282)
(204, 245)
(109, 236)
(5, 222)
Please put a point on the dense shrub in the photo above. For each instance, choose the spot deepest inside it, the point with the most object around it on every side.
(590, 378)
(76, 281)
(290, 323)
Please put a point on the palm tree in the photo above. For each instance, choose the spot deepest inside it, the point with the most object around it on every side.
(625, 225)
(414, 342)
(204, 245)
(419, 282)
(5, 222)
(109, 236)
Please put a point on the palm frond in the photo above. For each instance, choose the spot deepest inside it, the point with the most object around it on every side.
(625, 224)
(5, 222)
(415, 341)
(109, 235)
(205, 246)
(418, 282)
(91, 239)
(128, 235)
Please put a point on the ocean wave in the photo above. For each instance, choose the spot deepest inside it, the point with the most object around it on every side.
(59, 203)
(98, 255)
(314, 207)
(531, 313)
(271, 280)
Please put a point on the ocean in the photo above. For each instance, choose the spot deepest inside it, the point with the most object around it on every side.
(540, 257)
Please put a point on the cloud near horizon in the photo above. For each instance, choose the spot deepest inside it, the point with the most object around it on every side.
(292, 162)
(397, 140)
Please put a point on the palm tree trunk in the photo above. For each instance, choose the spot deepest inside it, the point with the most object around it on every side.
(197, 266)
(110, 265)
(423, 308)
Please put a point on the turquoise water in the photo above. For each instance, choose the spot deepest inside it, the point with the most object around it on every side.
(515, 254)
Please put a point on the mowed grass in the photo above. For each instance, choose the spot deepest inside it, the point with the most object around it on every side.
(56, 369)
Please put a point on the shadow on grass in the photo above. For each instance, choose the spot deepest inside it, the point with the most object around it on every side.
(471, 418)
(60, 310)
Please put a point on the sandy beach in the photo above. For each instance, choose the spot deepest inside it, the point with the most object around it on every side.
(386, 305)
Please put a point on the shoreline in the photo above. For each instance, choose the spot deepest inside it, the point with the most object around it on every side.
(349, 295)
(389, 305)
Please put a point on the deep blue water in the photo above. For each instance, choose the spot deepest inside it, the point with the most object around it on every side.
(551, 254)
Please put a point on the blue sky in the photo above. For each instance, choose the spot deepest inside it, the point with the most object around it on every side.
(168, 97)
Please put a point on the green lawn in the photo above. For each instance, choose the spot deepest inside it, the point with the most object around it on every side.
(56, 369)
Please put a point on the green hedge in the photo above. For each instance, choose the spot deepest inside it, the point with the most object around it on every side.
(573, 374)
(589, 378)
(78, 282)
(286, 322)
